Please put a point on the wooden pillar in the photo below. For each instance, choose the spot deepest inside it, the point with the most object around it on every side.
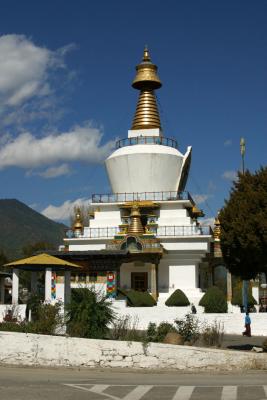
(48, 282)
(154, 281)
(2, 290)
(118, 278)
(15, 286)
(229, 286)
(34, 282)
(67, 287)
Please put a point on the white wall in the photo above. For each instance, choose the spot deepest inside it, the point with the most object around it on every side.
(183, 276)
(233, 322)
(42, 350)
(144, 168)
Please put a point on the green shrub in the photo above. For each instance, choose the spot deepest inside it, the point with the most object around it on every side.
(188, 328)
(12, 327)
(33, 304)
(237, 299)
(212, 335)
(157, 334)
(214, 301)
(139, 299)
(177, 299)
(88, 314)
(125, 328)
(47, 319)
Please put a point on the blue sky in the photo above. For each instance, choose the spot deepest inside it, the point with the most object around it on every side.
(65, 92)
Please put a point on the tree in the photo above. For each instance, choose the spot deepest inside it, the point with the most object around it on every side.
(3, 258)
(244, 225)
(32, 248)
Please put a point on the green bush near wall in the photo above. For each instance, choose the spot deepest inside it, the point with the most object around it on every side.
(177, 299)
(137, 299)
(214, 301)
(237, 299)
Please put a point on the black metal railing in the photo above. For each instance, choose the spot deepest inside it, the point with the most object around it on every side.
(161, 231)
(141, 196)
(163, 141)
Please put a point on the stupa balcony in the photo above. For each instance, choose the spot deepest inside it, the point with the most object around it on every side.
(159, 232)
(155, 140)
(142, 196)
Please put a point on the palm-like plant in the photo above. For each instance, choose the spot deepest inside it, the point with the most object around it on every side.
(88, 314)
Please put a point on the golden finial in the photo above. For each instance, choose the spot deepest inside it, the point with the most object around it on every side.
(146, 80)
(146, 56)
(78, 225)
(135, 227)
(217, 229)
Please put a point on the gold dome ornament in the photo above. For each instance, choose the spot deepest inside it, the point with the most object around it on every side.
(146, 80)
(217, 229)
(135, 227)
(78, 225)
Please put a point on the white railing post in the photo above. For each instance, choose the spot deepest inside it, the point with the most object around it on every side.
(48, 284)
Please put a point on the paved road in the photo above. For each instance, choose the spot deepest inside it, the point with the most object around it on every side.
(84, 384)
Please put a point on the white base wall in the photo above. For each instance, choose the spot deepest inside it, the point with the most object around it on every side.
(55, 351)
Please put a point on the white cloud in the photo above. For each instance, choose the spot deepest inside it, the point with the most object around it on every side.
(82, 143)
(64, 211)
(30, 86)
(200, 198)
(207, 222)
(23, 69)
(229, 175)
(52, 172)
(228, 143)
(55, 172)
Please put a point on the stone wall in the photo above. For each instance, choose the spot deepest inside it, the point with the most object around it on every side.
(43, 350)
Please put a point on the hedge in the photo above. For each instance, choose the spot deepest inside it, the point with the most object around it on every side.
(177, 299)
(237, 299)
(214, 301)
(137, 299)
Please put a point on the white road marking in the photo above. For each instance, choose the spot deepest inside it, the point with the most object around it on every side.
(229, 393)
(183, 393)
(98, 388)
(138, 392)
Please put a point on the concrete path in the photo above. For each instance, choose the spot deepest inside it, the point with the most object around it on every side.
(239, 342)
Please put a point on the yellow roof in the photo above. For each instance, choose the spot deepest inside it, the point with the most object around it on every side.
(42, 260)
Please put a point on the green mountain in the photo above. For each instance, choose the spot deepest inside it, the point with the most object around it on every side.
(22, 226)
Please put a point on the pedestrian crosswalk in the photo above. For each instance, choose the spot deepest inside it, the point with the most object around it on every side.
(169, 392)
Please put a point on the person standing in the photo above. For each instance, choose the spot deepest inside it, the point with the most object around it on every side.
(247, 331)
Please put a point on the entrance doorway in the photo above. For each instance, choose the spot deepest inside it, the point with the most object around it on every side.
(139, 281)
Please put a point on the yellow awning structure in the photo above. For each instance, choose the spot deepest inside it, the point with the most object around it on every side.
(42, 261)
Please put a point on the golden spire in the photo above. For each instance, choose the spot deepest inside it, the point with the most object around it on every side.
(135, 227)
(146, 80)
(217, 229)
(78, 225)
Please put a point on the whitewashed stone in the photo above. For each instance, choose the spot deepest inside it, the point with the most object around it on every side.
(42, 350)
